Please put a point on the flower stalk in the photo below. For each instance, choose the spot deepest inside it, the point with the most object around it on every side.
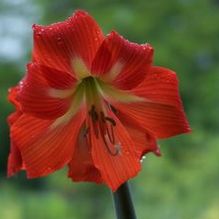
(123, 205)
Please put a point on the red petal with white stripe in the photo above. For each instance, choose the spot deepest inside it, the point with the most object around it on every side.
(123, 63)
(57, 44)
(45, 148)
(162, 112)
(35, 94)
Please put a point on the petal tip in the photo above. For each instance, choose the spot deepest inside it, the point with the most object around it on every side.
(116, 186)
(188, 129)
(36, 27)
(157, 152)
(112, 34)
(80, 12)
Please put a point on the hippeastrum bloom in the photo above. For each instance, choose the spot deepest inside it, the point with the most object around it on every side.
(92, 102)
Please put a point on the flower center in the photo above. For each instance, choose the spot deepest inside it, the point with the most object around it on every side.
(95, 94)
(92, 90)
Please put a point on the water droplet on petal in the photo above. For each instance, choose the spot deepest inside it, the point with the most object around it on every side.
(142, 159)
(21, 84)
(38, 34)
(59, 40)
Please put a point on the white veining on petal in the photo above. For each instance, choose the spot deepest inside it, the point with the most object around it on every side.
(77, 102)
(62, 94)
(114, 71)
(114, 94)
(80, 69)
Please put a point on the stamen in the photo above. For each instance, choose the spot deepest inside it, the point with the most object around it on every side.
(96, 131)
(111, 152)
(87, 135)
(113, 109)
(94, 117)
(102, 117)
(112, 121)
(111, 134)
(103, 126)
(93, 114)
(86, 131)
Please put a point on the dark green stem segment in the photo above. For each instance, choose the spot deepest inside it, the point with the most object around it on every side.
(123, 203)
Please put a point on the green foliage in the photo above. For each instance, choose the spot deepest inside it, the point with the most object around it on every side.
(183, 183)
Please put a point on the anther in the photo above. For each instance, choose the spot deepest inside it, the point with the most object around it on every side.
(86, 131)
(111, 134)
(103, 126)
(112, 151)
(102, 116)
(112, 121)
(93, 114)
(94, 117)
(113, 109)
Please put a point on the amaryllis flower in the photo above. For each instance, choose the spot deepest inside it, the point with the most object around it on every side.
(92, 102)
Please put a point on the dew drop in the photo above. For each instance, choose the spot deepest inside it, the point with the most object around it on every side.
(59, 40)
(21, 84)
(38, 34)
(142, 159)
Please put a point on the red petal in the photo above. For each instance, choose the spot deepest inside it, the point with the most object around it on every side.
(55, 45)
(127, 63)
(12, 97)
(162, 112)
(15, 162)
(117, 169)
(160, 86)
(81, 167)
(44, 148)
(35, 95)
(13, 117)
(144, 140)
(57, 79)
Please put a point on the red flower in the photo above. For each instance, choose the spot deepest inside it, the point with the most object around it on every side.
(92, 102)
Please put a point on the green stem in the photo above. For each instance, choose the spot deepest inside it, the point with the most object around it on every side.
(123, 203)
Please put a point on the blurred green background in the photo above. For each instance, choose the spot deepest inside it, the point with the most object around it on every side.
(184, 182)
